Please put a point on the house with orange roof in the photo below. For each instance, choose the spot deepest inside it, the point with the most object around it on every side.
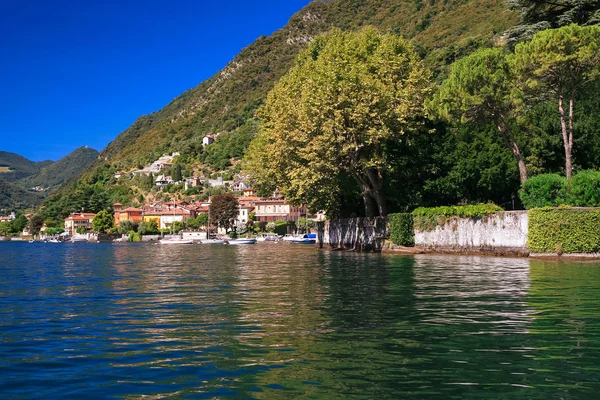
(129, 213)
(78, 220)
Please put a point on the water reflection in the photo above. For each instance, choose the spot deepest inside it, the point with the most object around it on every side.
(276, 320)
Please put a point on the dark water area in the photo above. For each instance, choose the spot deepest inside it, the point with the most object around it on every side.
(272, 321)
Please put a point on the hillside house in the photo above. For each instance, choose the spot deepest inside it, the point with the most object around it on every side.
(130, 213)
(78, 220)
(209, 138)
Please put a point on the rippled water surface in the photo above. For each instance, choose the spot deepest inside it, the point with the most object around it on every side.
(272, 321)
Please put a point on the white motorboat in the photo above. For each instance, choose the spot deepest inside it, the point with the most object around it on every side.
(53, 241)
(212, 241)
(268, 237)
(310, 238)
(79, 238)
(242, 241)
(176, 241)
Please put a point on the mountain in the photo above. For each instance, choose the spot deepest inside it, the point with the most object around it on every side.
(14, 167)
(55, 174)
(19, 176)
(442, 30)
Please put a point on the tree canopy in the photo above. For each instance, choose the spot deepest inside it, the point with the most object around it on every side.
(559, 63)
(480, 87)
(333, 115)
(539, 15)
(224, 210)
(103, 221)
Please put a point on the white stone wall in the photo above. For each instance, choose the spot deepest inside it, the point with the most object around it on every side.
(501, 230)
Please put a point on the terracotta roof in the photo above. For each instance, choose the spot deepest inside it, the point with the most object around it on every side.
(132, 209)
(76, 218)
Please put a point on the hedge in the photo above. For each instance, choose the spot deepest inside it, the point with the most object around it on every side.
(427, 218)
(402, 230)
(564, 230)
(552, 190)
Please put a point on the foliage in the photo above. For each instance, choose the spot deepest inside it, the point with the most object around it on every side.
(53, 231)
(134, 237)
(544, 190)
(35, 223)
(177, 226)
(269, 227)
(402, 230)
(176, 173)
(281, 227)
(538, 15)
(148, 228)
(427, 218)
(559, 62)
(584, 189)
(202, 219)
(564, 230)
(347, 97)
(553, 190)
(103, 221)
(224, 210)
(127, 226)
(480, 88)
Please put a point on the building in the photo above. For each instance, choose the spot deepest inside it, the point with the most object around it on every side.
(78, 220)
(130, 213)
(277, 210)
(209, 138)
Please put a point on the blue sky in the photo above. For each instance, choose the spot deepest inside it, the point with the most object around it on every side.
(79, 72)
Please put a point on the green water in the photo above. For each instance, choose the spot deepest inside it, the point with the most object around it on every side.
(274, 321)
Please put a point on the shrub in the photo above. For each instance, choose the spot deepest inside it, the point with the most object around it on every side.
(402, 230)
(564, 230)
(543, 191)
(427, 218)
(281, 227)
(584, 189)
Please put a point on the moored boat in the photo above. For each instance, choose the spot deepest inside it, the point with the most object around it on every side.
(212, 241)
(175, 241)
(242, 241)
(268, 237)
(309, 238)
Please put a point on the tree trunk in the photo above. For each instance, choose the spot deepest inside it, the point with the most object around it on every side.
(568, 145)
(376, 180)
(370, 208)
(510, 142)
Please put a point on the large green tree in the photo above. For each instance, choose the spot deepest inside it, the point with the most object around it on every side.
(480, 89)
(103, 221)
(558, 64)
(224, 210)
(35, 223)
(333, 115)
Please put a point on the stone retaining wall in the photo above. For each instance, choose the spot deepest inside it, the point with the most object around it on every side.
(503, 230)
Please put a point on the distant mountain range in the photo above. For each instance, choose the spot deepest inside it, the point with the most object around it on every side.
(25, 183)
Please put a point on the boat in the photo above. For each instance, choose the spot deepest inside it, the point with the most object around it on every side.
(212, 241)
(309, 238)
(175, 241)
(31, 241)
(53, 241)
(268, 237)
(79, 238)
(242, 241)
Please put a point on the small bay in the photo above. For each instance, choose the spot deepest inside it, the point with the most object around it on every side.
(276, 320)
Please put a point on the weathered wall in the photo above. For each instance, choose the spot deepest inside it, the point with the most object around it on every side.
(504, 230)
(360, 234)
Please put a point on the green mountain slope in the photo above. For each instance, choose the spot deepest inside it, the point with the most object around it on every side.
(65, 169)
(444, 30)
(14, 167)
(18, 176)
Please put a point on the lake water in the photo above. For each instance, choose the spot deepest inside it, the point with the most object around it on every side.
(271, 321)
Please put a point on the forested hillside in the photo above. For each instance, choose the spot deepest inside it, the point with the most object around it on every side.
(443, 30)
(19, 176)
